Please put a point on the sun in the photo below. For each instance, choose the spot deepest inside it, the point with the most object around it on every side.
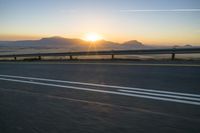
(92, 37)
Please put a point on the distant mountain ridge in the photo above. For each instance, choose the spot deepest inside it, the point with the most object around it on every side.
(46, 41)
(60, 44)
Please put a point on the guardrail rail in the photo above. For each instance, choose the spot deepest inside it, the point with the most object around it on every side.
(172, 51)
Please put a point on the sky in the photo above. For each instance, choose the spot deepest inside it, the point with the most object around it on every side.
(162, 22)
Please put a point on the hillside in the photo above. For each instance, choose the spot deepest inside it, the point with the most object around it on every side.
(59, 44)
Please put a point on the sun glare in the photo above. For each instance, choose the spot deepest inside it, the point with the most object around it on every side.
(92, 37)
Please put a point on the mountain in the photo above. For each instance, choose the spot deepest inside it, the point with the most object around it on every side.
(188, 46)
(134, 44)
(60, 44)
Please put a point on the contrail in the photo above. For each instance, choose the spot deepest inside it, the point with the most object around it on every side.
(166, 10)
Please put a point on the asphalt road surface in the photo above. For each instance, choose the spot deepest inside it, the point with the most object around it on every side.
(53, 97)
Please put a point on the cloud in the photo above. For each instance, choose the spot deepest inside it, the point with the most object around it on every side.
(165, 10)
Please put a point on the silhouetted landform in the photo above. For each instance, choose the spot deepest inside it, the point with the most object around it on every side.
(135, 44)
(187, 45)
(59, 44)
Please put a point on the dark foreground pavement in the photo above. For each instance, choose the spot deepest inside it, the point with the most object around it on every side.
(31, 105)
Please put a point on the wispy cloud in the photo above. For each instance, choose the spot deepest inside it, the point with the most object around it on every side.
(165, 10)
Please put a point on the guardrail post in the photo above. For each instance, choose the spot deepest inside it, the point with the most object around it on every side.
(173, 56)
(39, 58)
(70, 57)
(112, 56)
(15, 58)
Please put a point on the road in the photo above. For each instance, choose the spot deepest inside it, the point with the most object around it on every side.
(99, 97)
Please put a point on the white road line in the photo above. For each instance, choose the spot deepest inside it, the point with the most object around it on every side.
(91, 102)
(102, 85)
(97, 103)
(113, 64)
(130, 90)
(162, 95)
(104, 91)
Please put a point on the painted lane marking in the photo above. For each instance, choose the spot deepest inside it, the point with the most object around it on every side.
(104, 91)
(113, 64)
(103, 85)
(163, 95)
(99, 103)
(134, 90)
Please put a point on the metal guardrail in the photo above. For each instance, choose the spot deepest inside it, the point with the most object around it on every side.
(171, 51)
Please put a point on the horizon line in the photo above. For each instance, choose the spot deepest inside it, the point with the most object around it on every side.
(182, 44)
